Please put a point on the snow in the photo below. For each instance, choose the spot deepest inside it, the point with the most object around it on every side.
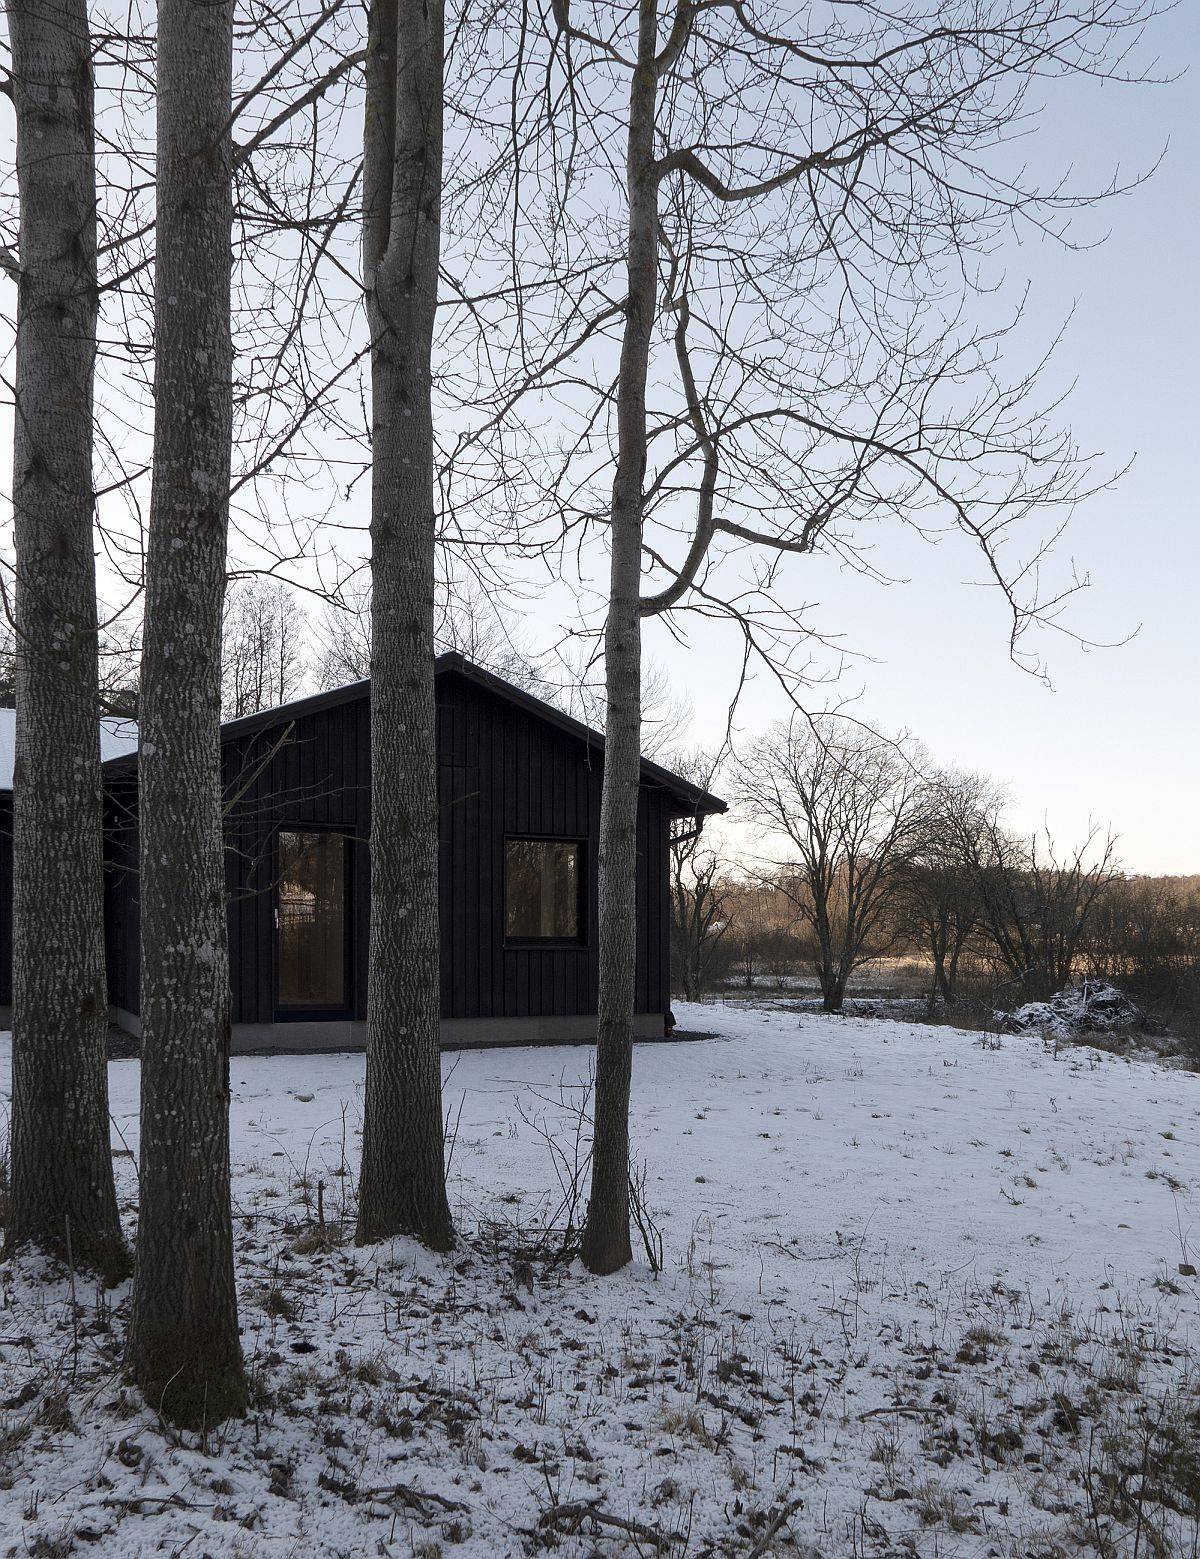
(917, 1286)
(117, 737)
(1091, 1007)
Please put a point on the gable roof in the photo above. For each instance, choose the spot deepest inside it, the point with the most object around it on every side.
(697, 802)
(692, 799)
(117, 737)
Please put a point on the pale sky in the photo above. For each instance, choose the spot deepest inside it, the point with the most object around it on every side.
(1116, 738)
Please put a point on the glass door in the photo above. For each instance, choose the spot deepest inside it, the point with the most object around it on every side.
(312, 921)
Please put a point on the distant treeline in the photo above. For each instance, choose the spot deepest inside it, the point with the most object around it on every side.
(867, 854)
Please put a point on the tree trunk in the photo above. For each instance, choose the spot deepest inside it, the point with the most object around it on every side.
(606, 1244)
(938, 949)
(402, 1189)
(828, 975)
(832, 995)
(62, 1193)
(183, 1347)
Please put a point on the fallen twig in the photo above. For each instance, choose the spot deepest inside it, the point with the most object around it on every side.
(131, 1502)
(576, 1511)
(782, 1518)
(902, 1408)
(414, 1497)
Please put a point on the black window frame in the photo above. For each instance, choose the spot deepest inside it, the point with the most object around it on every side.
(286, 1012)
(580, 939)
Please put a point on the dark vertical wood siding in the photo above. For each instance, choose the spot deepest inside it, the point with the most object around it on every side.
(311, 771)
(503, 771)
(506, 772)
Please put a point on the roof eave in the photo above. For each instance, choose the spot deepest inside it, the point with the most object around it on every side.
(691, 800)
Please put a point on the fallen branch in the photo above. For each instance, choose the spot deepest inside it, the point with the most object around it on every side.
(576, 1511)
(132, 1502)
(782, 1518)
(416, 1498)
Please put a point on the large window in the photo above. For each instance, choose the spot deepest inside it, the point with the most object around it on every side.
(543, 879)
(311, 919)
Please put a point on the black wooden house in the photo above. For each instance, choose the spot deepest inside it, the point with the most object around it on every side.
(519, 822)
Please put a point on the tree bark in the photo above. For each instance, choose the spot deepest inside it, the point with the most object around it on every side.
(833, 995)
(62, 1195)
(402, 1188)
(183, 1346)
(828, 972)
(606, 1243)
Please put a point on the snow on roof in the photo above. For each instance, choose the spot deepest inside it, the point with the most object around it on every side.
(117, 737)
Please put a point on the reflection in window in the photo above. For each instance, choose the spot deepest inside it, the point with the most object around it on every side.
(541, 889)
(312, 919)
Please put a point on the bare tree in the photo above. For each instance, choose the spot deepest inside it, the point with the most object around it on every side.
(772, 339)
(62, 1194)
(183, 1347)
(940, 894)
(481, 629)
(403, 1184)
(699, 909)
(847, 803)
(754, 922)
(577, 685)
(8, 666)
(1036, 902)
(1145, 931)
(699, 887)
(463, 621)
(120, 670)
(263, 661)
(342, 640)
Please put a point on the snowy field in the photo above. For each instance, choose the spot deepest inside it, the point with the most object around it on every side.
(922, 1292)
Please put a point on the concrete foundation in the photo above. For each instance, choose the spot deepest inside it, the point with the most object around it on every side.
(457, 1033)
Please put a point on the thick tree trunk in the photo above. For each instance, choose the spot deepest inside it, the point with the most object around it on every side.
(828, 973)
(832, 996)
(183, 1345)
(62, 1195)
(402, 1189)
(606, 1243)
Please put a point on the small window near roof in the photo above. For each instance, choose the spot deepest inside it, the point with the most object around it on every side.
(542, 880)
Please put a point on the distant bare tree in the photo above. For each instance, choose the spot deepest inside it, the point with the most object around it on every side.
(1036, 902)
(263, 650)
(463, 621)
(753, 927)
(342, 640)
(699, 887)
(482, 631)
(120, 670)
(1145, 931)
(847, 803)
(699, 917)
(576, 686)
(8, 666)
(940, 897)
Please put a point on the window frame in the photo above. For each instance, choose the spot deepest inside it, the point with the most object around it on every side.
(580, 939)
(297, 1012)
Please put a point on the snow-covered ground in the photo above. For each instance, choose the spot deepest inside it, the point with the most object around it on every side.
(921, 1293)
